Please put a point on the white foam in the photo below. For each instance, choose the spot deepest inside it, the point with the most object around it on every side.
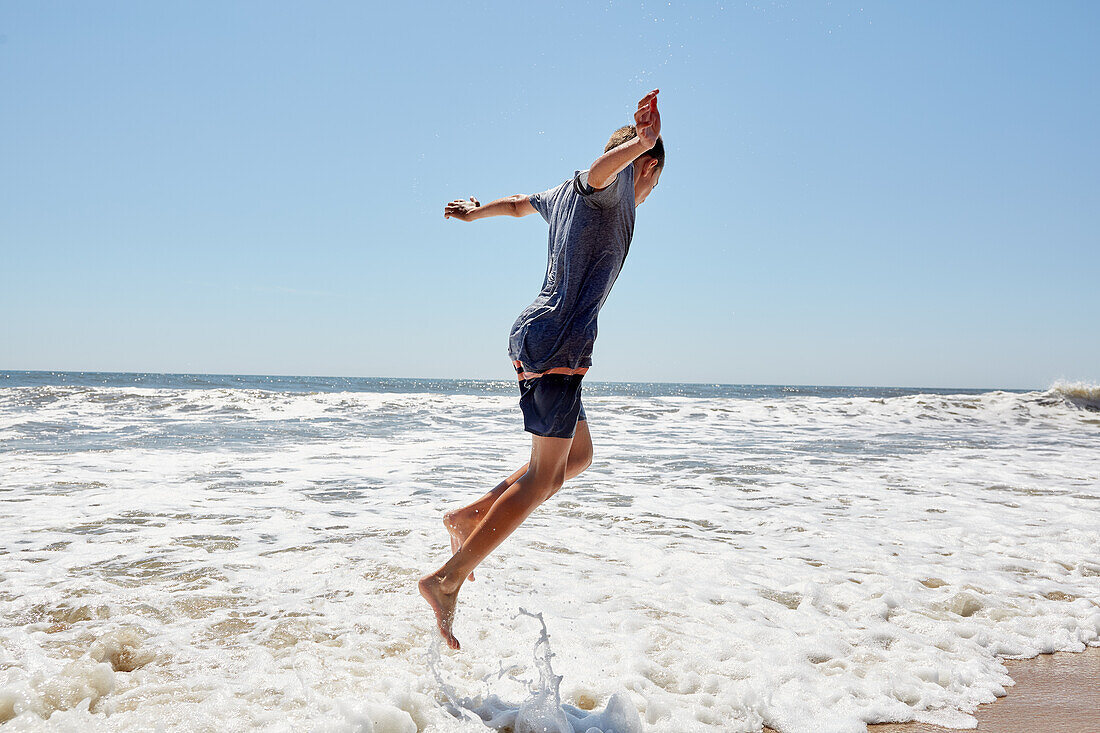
(803, 562)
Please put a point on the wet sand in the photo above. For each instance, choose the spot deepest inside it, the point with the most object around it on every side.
(1054, 693)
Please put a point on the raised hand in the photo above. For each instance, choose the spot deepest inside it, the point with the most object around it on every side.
(647, 120)
(460, 209)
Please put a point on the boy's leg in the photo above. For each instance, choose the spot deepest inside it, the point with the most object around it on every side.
(580, 458)
(544, 476)
(580, 453)
(461, 522)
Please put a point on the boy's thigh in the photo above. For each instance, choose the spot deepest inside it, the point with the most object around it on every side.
(582, 443)
(549, 459)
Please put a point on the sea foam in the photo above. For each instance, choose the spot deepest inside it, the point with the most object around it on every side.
(246, 559)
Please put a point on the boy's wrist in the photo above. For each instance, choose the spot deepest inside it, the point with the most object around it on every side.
(635, 144)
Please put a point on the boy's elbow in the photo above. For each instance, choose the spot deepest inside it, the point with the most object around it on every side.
(521, 205)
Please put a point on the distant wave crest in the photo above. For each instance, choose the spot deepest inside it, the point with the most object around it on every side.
(1081, 394)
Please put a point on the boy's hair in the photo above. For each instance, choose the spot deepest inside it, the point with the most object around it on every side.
(628, 132)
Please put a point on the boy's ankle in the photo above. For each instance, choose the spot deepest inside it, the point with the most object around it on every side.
(450, 585)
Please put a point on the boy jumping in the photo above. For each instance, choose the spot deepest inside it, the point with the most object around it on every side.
(591, 220)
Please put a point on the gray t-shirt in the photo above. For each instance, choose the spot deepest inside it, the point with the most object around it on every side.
(590, 234)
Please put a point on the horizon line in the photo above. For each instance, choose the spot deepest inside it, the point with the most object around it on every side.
(501, 379)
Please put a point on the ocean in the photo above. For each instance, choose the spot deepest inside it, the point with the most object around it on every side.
(237, 553)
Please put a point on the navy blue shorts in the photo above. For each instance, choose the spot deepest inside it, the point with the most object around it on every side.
(551, 404)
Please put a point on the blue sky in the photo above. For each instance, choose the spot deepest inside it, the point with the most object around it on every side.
(855, 193)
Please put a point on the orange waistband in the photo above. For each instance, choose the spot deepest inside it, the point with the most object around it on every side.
(556, 370)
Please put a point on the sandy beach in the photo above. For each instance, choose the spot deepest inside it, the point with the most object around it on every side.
(1054, 693)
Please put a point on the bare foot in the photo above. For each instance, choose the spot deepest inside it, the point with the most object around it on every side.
(431, 587)
(459, 527)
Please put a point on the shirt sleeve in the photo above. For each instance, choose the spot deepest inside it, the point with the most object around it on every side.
(608, 196)
(543, 202)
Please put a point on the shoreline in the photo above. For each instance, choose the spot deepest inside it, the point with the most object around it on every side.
(1054, 693)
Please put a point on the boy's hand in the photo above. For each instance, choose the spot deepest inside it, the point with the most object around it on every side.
(647, 120)
(460, 209)
(647, 123)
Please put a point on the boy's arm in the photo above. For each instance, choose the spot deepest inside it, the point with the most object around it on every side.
(647, 121)
(518, 205)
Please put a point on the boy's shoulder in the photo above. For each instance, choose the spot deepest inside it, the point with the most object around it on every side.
(614, 193)
(580, 181)
(577, 187)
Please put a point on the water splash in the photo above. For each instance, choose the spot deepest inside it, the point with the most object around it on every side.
(543, 711)
(459, 707)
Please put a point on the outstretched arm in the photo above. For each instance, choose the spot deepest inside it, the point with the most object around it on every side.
(647, 121)
(518, 205)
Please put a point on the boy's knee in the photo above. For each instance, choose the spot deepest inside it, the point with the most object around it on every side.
(586, 459)
(582, 464)
(543, 485)
(551, 485)
(580, 459)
